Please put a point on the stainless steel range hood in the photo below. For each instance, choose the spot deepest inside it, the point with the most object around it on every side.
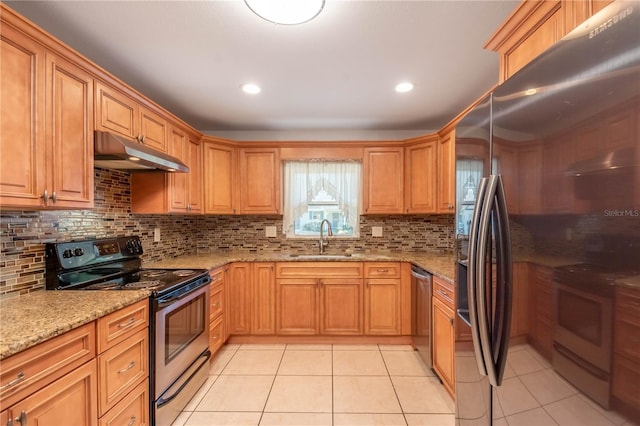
(115, 152)
(603, 164)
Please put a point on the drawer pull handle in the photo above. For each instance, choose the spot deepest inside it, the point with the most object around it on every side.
(215, 305)
(382, 270)
(22, 419)
(216, 337)
(215, 280)
(127, 368)
(129, 323)
(132, 421)
(14, 382)
(442, 293)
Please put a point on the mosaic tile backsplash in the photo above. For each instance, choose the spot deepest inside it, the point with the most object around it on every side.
(24, 233)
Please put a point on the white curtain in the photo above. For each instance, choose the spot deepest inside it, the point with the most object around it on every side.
(305, 179)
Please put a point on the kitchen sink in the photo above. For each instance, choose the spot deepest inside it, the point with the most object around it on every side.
(321, 256)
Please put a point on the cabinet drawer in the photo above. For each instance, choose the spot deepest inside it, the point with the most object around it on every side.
(319, 269)
(119, 325)
(121, 368)
(132, 410)
(628, 302)
(382, 270)
(216, 334)
(626, 380)
(444, 291)
(627, 336)
(40, 365)
(217, 277)
(216, 301)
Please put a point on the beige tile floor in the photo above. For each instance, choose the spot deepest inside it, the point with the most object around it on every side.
(319, 385)
(346, 385)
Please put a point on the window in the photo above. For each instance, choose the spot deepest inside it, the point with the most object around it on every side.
(314, 191)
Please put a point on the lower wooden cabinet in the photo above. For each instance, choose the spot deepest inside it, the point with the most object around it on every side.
(626, 348)
(252, 298)
(217, 309)
(132, 410)
(70, 400)
(382, 299)
(541, 309)
(341, 306)
(443, 319)
(239, 317)
(297, 306)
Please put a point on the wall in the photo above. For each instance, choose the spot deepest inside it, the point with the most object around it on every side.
(24, 233)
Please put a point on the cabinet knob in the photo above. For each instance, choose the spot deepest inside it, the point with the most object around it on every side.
(132, 421)
(54, 197)
(22, 419)
(45, 196)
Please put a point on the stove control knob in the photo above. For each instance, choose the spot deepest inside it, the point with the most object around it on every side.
(67, 253)
(78, 252)
(130, 247)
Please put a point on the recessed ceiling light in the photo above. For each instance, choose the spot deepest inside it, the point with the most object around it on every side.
(530, 92)
(404, 87)
(250, 88)
(286, 12)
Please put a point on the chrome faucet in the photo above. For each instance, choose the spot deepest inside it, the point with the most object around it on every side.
(329, 234)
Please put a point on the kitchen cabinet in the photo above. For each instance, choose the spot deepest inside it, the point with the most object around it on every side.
(264, 298)
(420, 176)
(626, 347)
(541, 309)
(520, 308)
(443, 320)
(383, 180)
(123, 355)
(134, 409)
(71, 398)
(382, 299)
(217, 310)
(46, 150)
(240, 293)
(557, 187)
(118, 113)
(172, 192)
(506, 156)
(220, 169)
(446, 187)
(259, 180)
(319, 298)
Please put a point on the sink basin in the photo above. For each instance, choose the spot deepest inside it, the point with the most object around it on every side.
(321, 256)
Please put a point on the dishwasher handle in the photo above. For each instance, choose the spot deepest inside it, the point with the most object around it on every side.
(420, 274)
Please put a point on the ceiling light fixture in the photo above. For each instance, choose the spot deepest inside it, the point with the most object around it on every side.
(250, 88)
(404, 87)
(286, 12)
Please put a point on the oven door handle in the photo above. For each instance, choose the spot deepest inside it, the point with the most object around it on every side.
(163, 401)
(163, 302)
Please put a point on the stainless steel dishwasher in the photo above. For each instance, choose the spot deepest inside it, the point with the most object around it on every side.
(421, 312)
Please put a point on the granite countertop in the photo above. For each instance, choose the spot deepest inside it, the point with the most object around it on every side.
(441, 265)
(33, 318)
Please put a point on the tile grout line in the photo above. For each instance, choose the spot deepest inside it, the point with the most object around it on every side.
(272, 384)
(393, 386)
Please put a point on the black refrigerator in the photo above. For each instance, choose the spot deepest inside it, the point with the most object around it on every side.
(548, 236)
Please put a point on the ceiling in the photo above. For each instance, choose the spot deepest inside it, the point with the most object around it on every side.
(331, 78)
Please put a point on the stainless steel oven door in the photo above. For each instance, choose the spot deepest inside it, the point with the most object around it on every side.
(584, 325)
(181, 335)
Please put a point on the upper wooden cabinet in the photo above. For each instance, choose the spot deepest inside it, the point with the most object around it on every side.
(420, 176)
(46, 127)
(119, 113)
(446, 187)
(259, 180)
(534, 26)
(383, 180)
(172, 192)
(220, 169)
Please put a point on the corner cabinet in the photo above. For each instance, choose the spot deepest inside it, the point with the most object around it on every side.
(46, 145)
(383, 182)
(446, 187)
(259, 180)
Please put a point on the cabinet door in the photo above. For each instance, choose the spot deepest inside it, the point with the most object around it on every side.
(22, 156)
(297, 306)
(420, 177)
(259, 181)
(219, 179)
(178, 182)
(507, 159)
(69, 131)
(195, 178)
(264, 299)
(446, 173)
(153, 130)
(383, 180)
(382, 307)
(72, 398)
(520, 310)
(530, 179)
(443, 340)
(557, 187)
(116, 112)
(341, 306)
(240, 298)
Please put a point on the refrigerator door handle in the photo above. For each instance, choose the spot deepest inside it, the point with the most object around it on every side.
(473, 265)
(504, 285)
(484, 233)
